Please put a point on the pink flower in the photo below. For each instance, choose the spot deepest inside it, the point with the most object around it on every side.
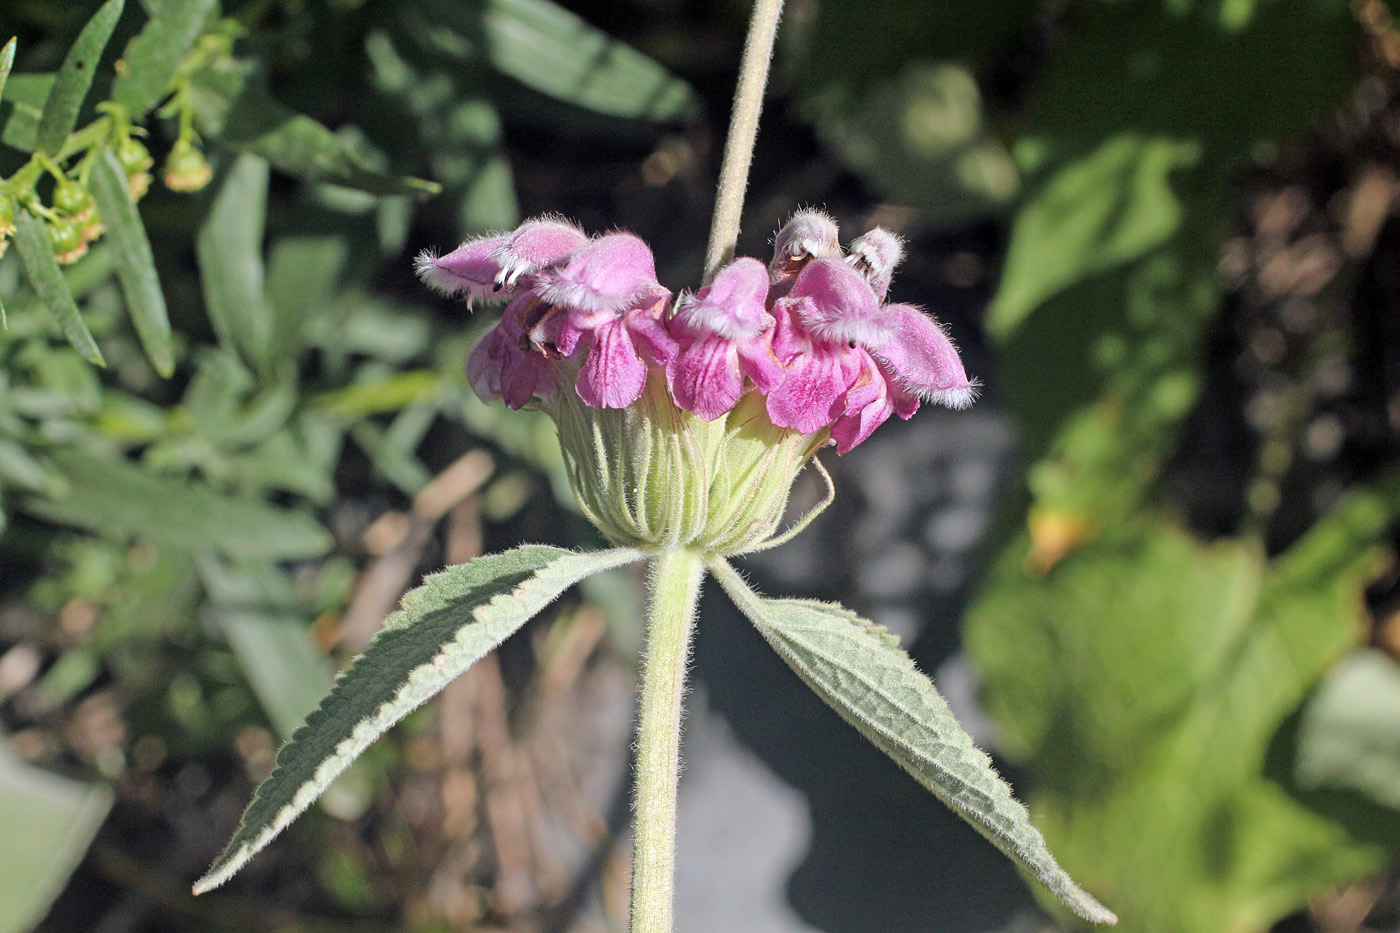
(723, 333)
(808, 234)
(852, 362)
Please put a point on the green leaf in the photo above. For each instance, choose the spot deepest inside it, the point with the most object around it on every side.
(874, 686)
(444, 627)
(7, 61)
(113, 497)
(136, 267)
(229, 247)
(1142, 681)
(49, 822)
(232, 104)
(74, 78)
(1110, 206)
(1349, 737)
(26, 95)
(152, 58)
(36, 252)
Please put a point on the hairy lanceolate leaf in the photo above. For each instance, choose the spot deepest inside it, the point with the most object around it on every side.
(136, 267)
(75, 77)
(229, 246)
(231, 102)
(444, 627)
(152, 58)
(36, 252)
(873, 685)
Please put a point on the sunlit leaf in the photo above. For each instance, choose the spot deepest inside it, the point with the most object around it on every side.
(151, 59)
(35, 248)
(444, 627)
(49, 822)
(229, 247)
(118, 499)
(231, 103)
(136, 267)
(1349, 737)
(74, 77)
(7, 61)
(874, 686)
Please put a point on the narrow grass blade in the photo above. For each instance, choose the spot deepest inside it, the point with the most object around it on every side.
(36, 252)
(136, 267)
(74, 79)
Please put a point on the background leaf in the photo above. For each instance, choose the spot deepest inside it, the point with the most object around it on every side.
(75, 76)
(1349, 735)
(229, 246)
(36, 250)
(136, 267)
(152, 58)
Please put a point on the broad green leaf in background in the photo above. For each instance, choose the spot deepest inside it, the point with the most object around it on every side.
(150, 60)
(229, 247)
(874, 686)
(136, 267)
(49, 822)
(232, 104)
(1143, 680)
(1111, 206)
(444, 627)
(121, 500)
(35, 248)
(1349, 736)
(74, 78)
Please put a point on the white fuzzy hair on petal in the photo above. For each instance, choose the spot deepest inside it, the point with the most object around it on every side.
(436, 277)
(719, 320)
(957, 399)
(864, 330)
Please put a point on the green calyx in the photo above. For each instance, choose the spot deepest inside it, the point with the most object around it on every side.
(653, 475)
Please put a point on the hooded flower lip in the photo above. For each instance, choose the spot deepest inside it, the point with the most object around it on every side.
(723, 336)
(611, 274)
(487, 268)
(875, 255)
(808, 234)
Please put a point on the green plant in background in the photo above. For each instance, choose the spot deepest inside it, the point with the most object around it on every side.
(150, 502)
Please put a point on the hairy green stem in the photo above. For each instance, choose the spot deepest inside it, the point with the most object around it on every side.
(675, 586)
(743, 131)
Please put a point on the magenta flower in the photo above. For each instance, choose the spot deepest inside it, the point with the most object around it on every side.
(723, 332)
(852, 362)
(810, 333)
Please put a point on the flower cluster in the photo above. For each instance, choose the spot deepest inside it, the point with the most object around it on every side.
(811, 332)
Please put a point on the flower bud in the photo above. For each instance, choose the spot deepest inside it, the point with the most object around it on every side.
(136, 162)
(68, 243)
(186, 169)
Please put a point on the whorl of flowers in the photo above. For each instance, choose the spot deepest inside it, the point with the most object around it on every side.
(811, 332)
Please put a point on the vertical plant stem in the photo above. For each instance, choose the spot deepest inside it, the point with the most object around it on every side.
(675, 586)
(743, 131)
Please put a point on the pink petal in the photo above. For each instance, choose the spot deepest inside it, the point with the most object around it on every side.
(923, 359)
(808, 398)
(874, 255)
(732, 305)
(469, 268)
(535, 245)
(758, 362)
(808, 235)
(608, 275)
(835, 305)
(613, 375)
(868, 405)
(650, 335)
(705, 377)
